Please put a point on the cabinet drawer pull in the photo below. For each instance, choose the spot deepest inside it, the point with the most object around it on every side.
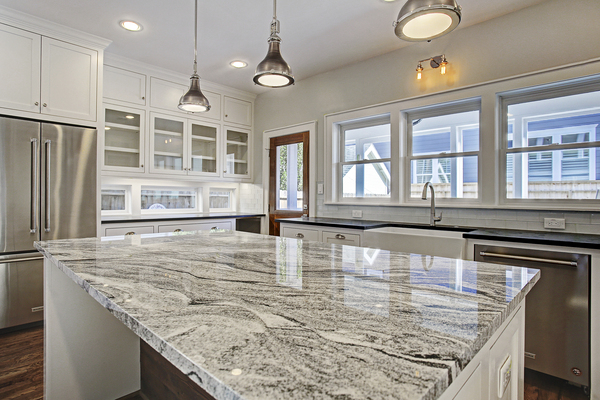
(177, 230)
(214, 228)
(37, 103)
(45, 105)
(130, 233)
(300, 235)
(340, 236)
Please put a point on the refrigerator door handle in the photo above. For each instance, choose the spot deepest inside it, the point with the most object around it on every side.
(21, 259)
(48, 144)
(34, 185)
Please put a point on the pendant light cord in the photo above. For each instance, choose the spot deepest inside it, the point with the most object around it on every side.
(196, 38)
(274, 9)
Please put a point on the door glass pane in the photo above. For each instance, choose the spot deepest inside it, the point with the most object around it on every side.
(122, 139)
(204, 148)
(290, 177)
(168, 144)
(237, 153)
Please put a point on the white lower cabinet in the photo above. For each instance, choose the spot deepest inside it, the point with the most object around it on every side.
(129, 230)
(137, 228)
(350, 237)
(202, 226)
(299, 232)
(341, 237)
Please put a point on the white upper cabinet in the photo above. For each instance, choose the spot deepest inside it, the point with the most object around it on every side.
(47, 76)
(19, 69)
(237, 111)
(166, 95)
(69, 79)
(123, 85)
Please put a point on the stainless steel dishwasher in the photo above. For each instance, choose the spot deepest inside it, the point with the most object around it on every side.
(557, 325)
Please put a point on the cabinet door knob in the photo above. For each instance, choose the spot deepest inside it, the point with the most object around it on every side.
(299, 235)
(45, 105)
(130, 233)
(141, 165)
(37, 103)
(340, 236)
(143, 97)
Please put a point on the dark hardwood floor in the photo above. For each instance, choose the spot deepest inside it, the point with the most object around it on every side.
(22, 372)
(22, 364)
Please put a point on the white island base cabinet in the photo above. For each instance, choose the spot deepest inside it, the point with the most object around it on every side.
(89, 354)
(139, 228)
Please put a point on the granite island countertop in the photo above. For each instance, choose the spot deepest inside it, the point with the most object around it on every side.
(296, 319)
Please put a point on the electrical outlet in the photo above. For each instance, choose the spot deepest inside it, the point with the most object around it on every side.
(356, 213)
(504, 375)
(554, 223)
(319, 188)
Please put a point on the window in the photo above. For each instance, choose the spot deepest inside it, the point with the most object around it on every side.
(365, 159)
(168, 199)
(552, 145)
(444, 150)
(220, 199)
(115, 199)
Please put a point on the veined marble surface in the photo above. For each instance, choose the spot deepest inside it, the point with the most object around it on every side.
(260, 317)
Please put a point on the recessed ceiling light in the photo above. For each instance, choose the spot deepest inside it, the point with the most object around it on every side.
(238, 64)
(131, 26)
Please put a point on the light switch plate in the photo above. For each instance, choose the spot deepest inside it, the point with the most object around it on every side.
(356, 213)
(319, 188)
(554, 223)
(504, 374)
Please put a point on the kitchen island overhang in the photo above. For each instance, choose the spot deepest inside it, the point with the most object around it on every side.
(253, 316)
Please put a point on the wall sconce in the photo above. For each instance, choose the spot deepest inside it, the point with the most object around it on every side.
(435, 62)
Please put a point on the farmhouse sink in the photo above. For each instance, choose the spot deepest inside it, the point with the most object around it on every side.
(434, 242)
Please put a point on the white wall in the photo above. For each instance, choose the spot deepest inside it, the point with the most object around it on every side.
(551, 34)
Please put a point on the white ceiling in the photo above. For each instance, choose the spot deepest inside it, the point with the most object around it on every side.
(317, 35)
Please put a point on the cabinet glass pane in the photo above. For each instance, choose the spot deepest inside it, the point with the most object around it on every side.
(237, 153)
(168, 144)
(204, 148)
(122, 139)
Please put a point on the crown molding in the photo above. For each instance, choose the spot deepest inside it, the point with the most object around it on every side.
(44, 27)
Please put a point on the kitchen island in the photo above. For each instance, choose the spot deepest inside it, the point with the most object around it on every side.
(247, 316)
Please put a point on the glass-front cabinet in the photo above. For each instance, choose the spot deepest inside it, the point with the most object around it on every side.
(236, 152)
(123, 139)
(167, 136)
(203, 148)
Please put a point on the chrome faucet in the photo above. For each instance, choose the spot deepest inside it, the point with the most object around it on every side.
(432, 218)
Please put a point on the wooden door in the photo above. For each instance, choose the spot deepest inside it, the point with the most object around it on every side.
(288, 178)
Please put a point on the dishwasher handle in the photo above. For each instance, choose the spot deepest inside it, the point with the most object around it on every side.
(526, 258)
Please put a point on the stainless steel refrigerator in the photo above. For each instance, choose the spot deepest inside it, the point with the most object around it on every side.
(47, 191)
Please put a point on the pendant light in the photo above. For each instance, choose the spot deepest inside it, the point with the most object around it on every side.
(273, 71)
(194, 100)
(421, 20)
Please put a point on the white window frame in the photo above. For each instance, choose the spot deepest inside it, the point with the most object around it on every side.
(127, 210)
(341, 128)
(439, 110)
(196, 209)
(232, 199)
(555, 90)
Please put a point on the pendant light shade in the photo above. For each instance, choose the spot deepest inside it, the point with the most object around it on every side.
(421, 20)
(273, 71)
(194, 100)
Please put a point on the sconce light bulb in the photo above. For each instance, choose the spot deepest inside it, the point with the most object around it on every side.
(443, 66)
(419, 71)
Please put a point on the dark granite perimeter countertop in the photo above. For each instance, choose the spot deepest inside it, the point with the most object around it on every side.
(116, 219)
(536, 237)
